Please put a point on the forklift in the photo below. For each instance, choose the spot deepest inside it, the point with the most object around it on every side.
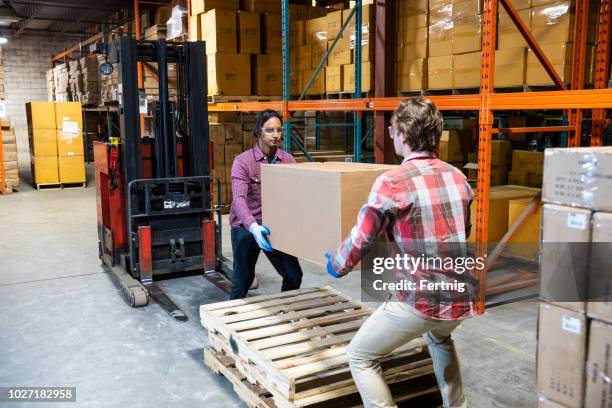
(156, 218)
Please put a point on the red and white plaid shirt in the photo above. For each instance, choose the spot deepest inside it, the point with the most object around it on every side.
(422, 202)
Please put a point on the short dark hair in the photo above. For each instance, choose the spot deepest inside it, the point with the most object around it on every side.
(420, 122)
(262, 117)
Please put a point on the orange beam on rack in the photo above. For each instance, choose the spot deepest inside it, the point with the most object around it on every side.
(75, 48)
(602, 69)
(533, 129)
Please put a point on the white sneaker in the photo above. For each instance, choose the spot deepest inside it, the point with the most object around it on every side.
(255, 283)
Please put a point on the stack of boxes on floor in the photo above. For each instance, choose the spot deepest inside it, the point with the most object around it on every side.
(439, 43)
(55, 131)
(574, 336)
(50, 86)
(9, 155)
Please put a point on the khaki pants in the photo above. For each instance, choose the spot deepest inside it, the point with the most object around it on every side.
(390, 326)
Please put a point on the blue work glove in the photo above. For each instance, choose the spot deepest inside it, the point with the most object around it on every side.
(330, 267)
(260, 233)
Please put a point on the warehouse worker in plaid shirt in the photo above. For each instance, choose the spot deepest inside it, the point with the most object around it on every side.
(424, 201)
(249, 236)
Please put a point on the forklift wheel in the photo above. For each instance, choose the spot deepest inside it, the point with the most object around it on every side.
(136, 296)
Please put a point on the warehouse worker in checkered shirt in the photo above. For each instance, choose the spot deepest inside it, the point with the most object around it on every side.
(424, 200)
(249, 236)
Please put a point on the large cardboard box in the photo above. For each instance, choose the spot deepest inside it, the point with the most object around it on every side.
(412, 22)
(466, 70)
(526, 241)
(508, 36)
(562, 338)
(333, 79)
(216, 133)
(334, 23)
(316, 30)
(501, 152)
(219, 154)
(454, 145)
(412, 75)
(297, 33)
(318, 50)
(552, 24)
(295, 82)
(71, 169)
(44, 169)
(367, 77)
(303, 57)
(341, 54)
(467, 34)
(219, 31)
(249, 33)
(441, 39)
(566, 232)
(43, 142)
(580, 177)
(261, 6)
(600, 273)
(413, 44)
(231, 151)
(440, 72)
(510, 66)
(413, 7)
(69, 144)
(528, 161)
(318, 85)
(69, 116)
(599, 366)
(518, 5)
(233, 133)
(41, 115)
(499, 198)
(229, 74)
(328, 195)
(268, 75)
(518, 177)
(559, 55)
(202, 6)
(272, 34)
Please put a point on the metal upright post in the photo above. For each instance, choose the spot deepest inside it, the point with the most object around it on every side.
(602, 69)
(286, 74)
(357, 115)
(485, 126)
(578, 66)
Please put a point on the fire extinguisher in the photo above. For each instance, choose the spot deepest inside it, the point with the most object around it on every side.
(113, 147)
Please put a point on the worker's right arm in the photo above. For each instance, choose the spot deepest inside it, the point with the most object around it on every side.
(240, 189)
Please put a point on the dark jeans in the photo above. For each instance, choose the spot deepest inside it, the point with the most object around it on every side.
(246, 251)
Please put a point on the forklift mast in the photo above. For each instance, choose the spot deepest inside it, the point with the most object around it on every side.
(154, 191)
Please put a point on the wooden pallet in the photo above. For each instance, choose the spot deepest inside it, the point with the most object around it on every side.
(410, 393)
(293, 344)
(58, 186)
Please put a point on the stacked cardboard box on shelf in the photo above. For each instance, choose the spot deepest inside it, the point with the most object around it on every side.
(55, 131)
(501, 156)
(108, 84)
(527, 168)
(9, 156)
(50, 85)
(61, 79)
(576, 315)
(227, 142)
(85, 80)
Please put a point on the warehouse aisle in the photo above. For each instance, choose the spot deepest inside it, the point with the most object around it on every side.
(62, 321)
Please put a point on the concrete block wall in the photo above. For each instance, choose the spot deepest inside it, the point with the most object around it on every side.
(26, 61)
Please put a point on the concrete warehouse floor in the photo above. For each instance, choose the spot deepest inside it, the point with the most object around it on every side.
(64, 323)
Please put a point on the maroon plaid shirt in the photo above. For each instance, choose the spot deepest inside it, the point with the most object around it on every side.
(246, 185)
(425, 202)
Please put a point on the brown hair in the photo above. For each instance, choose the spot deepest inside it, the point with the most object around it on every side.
(420, 123)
